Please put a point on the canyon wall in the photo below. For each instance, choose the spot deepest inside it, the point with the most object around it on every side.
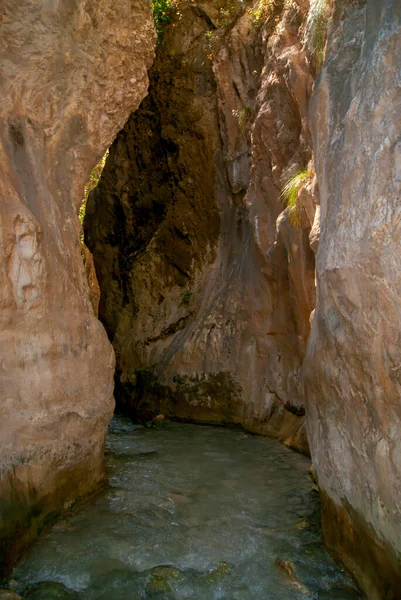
(71, 72)
(201, 288)
(208, 285)
(207, 280)
(352, 368)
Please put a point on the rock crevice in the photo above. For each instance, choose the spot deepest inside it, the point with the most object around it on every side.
(194, 179)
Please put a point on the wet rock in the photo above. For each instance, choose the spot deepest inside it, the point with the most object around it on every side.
(50, 590)
(159, 588)
(9, 595)
(218, 574)
(287, 569)
(159, 419)
(339, 593)
(167, 572)
(125, 582)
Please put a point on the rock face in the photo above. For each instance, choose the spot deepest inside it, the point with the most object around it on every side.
(208, 286)
(200, 289)
(70, 74)
(352, 368)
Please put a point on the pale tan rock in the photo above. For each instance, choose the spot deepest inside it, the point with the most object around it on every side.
(352, 369)
(91, 277)
(314, 234)
(70, 74)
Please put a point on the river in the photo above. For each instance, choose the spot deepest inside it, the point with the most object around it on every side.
(191, 512)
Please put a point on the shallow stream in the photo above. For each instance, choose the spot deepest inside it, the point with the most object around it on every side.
(192, 512)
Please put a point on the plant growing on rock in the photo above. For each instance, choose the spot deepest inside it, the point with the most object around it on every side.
(228, 11)
(261, 11)
(212, 42)
(290, 193)
(186, 297)
(242, 115)
(90, 185)
(161, 15)
(316, 31)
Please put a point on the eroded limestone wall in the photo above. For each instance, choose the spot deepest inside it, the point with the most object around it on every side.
(70, 74)
(207, 285)
(352, 368)
(207, 305)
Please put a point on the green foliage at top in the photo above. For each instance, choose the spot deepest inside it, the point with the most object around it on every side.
(90, 185)
(289, 194)
(161, 15)
(261, 11)
(228, 11)
(316, 30)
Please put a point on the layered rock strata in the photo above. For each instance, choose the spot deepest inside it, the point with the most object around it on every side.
(205, 298)
(70, 72)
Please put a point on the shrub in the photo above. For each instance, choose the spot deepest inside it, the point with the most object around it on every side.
(161, 15)
(228, 11)
(261, 11)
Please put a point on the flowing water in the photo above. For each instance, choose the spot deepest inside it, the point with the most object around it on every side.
(192, 512)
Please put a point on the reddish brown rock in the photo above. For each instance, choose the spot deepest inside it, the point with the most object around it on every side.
(204, 301)
(70, 74)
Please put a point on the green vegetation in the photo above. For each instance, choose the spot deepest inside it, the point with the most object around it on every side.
(289, 194)
(228, 11)
(161, 15)
(212, 43)
(186, 297)
(316, 31)
(261, 11)
(178, 379)
(89, 186)
(243, 116)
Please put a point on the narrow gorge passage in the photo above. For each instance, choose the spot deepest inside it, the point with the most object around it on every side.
(192, 512)
(244, 246)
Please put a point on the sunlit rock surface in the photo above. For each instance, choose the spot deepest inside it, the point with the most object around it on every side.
(352, 369)
(70, 73)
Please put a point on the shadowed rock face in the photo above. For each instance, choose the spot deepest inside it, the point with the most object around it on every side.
(206, 304)
(70, 74)
(352, 369)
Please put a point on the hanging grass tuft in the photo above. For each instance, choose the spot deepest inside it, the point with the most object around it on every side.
(289, 195)
(316, 31)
